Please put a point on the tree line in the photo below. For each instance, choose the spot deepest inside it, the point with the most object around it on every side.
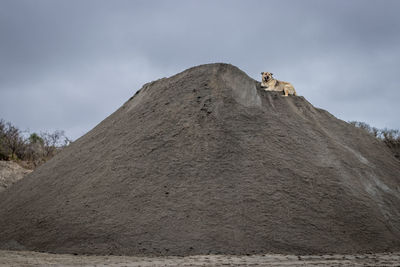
(32, 148)
(36, 148)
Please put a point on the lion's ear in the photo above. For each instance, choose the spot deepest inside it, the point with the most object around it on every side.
(262, 73)
(272, 73)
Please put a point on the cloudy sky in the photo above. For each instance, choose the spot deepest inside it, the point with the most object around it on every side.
(69, 64)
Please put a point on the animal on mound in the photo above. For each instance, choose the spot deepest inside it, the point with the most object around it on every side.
(271, 84)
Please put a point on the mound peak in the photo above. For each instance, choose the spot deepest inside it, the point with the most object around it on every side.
(207, 162)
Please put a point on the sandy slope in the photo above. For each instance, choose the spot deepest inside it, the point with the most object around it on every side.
(206, 162)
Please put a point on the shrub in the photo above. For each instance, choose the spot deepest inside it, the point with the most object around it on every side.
(3, 148)
(34, 138)
(35, 149)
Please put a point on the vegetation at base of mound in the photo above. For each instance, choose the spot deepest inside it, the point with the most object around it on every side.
(31, 148)
(35, 149)
(390, 137)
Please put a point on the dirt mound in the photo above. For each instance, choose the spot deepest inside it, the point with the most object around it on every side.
(10, 172)
(207, 162)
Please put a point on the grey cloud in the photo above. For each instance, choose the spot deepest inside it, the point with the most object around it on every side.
(68, 64)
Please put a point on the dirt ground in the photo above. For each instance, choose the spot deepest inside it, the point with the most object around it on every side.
(27, 258)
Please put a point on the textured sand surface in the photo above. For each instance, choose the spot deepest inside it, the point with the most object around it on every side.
(14, 258)
(206, 162)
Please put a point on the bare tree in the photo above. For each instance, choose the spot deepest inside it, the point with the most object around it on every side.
(14, 141)
(35, 149)
(32, 148)
(54, 141)
(3, 147)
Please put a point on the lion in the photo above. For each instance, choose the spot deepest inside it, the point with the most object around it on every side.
(271, 84)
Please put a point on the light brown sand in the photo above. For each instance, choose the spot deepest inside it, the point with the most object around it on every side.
(27, 258)
(10, 172)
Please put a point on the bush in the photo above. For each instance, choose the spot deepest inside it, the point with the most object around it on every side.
(12, 142)
(35, 149)
(36, 139)
(3, 148)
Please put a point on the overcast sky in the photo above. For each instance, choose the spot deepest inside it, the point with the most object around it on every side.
(68, 64)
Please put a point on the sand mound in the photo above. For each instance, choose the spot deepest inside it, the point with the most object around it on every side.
(10, 172)
(207, 162)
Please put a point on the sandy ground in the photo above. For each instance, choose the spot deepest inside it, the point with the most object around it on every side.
(10, 172)
(27, 258)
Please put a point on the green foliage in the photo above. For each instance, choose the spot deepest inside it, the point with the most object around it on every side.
(3, 147)
(34, 138)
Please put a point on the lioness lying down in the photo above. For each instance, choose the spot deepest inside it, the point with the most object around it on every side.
(271, 84)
